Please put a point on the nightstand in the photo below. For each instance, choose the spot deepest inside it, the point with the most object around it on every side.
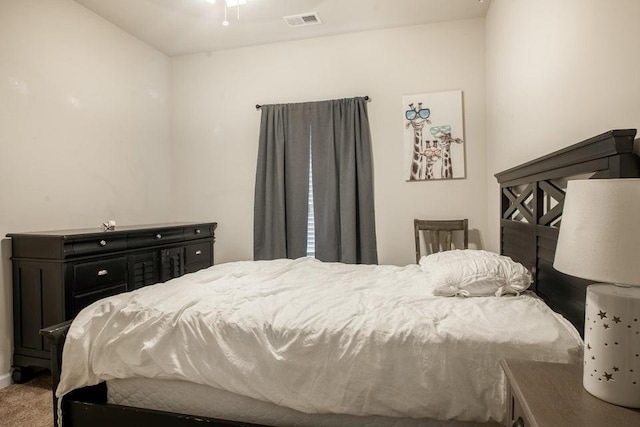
(551, 395)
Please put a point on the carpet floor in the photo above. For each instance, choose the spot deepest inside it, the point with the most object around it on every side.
(28, 404)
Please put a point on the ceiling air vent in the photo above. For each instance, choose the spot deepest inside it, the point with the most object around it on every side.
(303, 19)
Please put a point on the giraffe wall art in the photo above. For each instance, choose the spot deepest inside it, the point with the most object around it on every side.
(433, 136)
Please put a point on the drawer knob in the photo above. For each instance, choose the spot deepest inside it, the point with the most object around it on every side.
(519, 423)
(103, 243)
(158, 236)
(198, 252)
(197, 231)
(102, 272)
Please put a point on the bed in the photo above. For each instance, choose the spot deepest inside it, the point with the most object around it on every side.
(401, 396)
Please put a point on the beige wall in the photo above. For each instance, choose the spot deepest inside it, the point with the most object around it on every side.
(215, 124)
(84, 128)
(558, 72)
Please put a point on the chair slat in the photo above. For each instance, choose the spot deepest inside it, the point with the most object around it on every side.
(448, 237)
(435, 241)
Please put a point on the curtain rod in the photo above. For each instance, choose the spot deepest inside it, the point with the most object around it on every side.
(366, 98)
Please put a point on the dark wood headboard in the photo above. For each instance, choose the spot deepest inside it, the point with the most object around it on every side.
(532, 197)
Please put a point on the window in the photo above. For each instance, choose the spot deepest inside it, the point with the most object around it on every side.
(286, 225)
(311, 225)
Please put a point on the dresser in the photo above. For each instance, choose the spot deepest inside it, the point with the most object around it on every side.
(58, 273)
(541, 394)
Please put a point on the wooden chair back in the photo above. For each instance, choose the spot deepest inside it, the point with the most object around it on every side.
(440, 233)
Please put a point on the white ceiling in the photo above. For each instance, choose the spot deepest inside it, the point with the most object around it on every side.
(178, 27)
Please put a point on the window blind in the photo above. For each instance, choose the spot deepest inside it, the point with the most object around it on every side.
(311, 225)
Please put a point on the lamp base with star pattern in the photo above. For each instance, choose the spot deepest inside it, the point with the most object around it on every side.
(612, 344)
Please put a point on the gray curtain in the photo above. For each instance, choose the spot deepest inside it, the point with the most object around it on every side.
(338, 133)
(282, 182)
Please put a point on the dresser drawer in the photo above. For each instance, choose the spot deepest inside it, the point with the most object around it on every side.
(94, 245)
(198, 253)
(192, 268)
(197, 232)
(80, 301)
(102, 273)
(157, 237)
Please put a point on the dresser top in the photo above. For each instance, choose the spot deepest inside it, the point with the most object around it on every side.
(121, 229)
(551, 394)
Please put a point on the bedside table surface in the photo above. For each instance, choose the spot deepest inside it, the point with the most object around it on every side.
(551, 394)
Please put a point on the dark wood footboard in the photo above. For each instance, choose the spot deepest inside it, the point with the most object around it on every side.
(55, 336)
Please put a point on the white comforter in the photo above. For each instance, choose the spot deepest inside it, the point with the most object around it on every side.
(319, 338)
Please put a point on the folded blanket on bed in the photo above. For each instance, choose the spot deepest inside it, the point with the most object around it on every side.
(319, 338)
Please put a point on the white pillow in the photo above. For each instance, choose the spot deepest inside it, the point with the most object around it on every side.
(474, 273)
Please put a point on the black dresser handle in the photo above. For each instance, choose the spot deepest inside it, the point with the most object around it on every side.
(518, 423)
(103, 243)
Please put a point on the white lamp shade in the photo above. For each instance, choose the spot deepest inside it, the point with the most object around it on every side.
(600, 231)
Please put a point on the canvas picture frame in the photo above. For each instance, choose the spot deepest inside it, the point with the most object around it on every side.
(434, 143)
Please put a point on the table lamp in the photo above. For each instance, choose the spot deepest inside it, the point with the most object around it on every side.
(599, 240)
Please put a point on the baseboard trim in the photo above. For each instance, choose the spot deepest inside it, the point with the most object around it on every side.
(5, 380)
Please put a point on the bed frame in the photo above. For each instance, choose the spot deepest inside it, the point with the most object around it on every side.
(531, 210)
